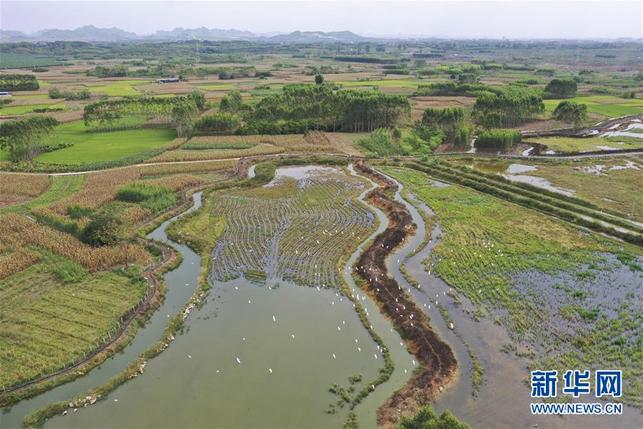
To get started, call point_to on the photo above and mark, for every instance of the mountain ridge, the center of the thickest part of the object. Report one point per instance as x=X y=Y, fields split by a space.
x=91 y=33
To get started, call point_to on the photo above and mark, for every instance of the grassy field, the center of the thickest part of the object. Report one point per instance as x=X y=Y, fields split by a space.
x=611 y=184
x=12 y=60
x=487 y=243
x=606 y=105
x=28 y=108
x=52 y=313
x=89 y=146
x=200 y=230
x=571 y=144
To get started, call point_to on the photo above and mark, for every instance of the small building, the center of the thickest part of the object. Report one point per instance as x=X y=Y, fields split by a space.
x=5 y=94
x=168 y=80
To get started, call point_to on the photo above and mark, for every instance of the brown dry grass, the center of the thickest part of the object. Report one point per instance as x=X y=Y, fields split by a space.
x=28 y=185
x=197 y=155
x=19 y=231
x=13 y=262
x=196 y=167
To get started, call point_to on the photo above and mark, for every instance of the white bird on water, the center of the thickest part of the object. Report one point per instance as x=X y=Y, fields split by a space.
x=238 y=360
x=270 y=369
x=334 y=357
x=293 y=336
x=274 y=319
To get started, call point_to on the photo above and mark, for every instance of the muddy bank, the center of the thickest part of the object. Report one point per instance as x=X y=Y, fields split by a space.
x=436 y=359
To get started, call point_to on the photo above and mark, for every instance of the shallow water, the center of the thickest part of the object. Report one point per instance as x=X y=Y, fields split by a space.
x=278 y=380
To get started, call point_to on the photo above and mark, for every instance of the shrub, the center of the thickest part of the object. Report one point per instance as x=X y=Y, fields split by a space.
x=18 y=82
x=498 y=139
x=154 y=198
x=69 y=271
x=561 y=88
x=222 y=122
x=571 y=112
x=103 y=229
x=381 y=143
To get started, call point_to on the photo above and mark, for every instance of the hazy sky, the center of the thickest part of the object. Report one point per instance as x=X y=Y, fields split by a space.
x=511 y=19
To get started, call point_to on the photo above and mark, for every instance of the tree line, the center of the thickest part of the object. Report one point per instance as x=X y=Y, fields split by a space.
x=18 y=82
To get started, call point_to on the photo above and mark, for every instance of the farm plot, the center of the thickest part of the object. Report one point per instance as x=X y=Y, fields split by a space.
x=292 y=229
x=91 y=146
x=119 y=88
x=52 y=314
x=495 y=253
x=206 y=154
x=611 y=184
x=605 y=105
x=588 y=144
x=15 y=188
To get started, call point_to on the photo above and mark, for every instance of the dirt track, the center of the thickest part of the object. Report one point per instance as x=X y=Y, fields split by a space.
x=436 y=360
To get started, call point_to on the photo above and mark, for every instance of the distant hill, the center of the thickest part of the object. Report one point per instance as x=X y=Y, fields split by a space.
x=318 y=37
x=90 y=33
x=201 y=33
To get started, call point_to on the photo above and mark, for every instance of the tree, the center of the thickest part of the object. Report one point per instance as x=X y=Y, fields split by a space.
x=183 y=116
x=22 y=138
x=231 y=102
x=222 y=122
x=199 y=99
x=561 y=88
x=426 y=418
x=498 y=139
x=507 y=108
x=449 y=120
x=571 y=112
x=319 y=79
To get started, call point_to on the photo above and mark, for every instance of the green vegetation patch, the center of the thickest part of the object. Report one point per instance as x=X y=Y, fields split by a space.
x=487 y=240
x=94 y=146
x=51 y=314
x=605 y=105
x=153 y=198
x=31 y=108
x=586 y=144
x=121 y=88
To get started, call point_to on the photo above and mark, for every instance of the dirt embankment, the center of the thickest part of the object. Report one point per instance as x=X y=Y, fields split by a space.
x=437 y=363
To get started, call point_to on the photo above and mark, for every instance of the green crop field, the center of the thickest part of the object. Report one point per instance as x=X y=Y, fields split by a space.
x=12 y=60
x=605 y=105
x=50 y=314
x=28 y=108
x=119 y=88
x=571 y=144
x=89 y=146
